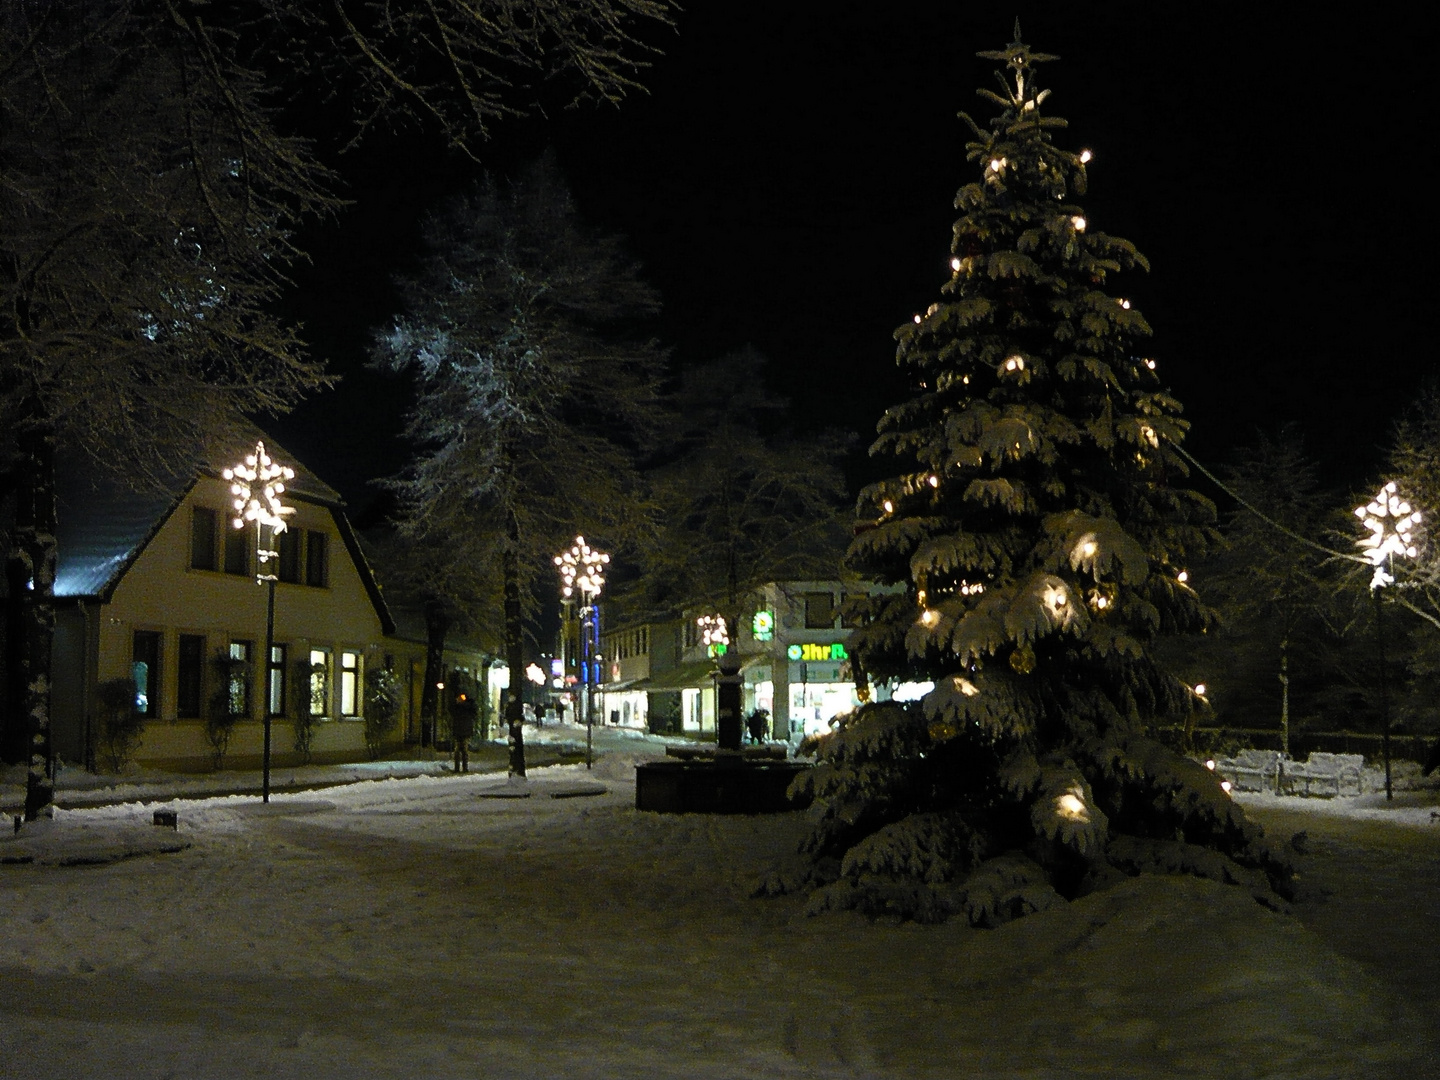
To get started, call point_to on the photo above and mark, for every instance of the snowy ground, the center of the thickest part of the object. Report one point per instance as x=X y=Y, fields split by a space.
x=412 y=927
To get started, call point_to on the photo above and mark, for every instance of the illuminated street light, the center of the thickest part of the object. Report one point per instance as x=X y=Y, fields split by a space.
x=1390 y=525
x=582 y=570
x=257 y=484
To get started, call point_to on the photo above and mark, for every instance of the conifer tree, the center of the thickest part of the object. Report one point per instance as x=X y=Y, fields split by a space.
x=1038 y=532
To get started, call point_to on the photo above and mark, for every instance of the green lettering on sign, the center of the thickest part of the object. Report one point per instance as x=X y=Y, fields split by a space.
x=833 y=651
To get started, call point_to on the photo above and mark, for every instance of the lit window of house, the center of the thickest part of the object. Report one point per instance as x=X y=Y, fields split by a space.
x=275 y=681
x=349 y=684
x=319 y=682
x=145 y=671
x=237 y=690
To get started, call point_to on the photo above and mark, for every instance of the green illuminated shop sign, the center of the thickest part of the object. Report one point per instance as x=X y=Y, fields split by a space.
x=833 y=651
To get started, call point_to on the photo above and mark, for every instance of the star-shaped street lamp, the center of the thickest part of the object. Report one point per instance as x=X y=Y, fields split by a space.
x=1390 y=526
x=1390 y=522
x=257 y=484
x=582 y=570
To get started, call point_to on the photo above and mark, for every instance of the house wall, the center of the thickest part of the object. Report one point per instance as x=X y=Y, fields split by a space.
x=161 y=592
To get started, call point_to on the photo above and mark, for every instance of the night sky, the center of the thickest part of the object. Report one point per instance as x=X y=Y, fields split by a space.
x=787 y=182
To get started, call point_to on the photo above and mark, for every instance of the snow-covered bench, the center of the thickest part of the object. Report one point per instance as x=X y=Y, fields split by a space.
x=1325 y=775
x=1251 y=770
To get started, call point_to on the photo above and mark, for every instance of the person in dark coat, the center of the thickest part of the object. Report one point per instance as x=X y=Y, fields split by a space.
x=463 y=715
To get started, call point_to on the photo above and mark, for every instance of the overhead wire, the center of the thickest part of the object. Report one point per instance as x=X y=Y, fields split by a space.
x=1349 y=556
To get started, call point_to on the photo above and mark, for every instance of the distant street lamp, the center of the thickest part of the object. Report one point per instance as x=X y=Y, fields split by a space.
x=582 y=569
x=257 y=484
x=1391 y=523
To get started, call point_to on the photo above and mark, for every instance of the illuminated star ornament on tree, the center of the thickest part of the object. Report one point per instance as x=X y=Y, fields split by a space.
x=1391 y=522
x=257 y=485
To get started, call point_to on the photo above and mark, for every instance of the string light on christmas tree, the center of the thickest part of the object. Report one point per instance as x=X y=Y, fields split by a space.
x=889 y=506
x=1099 y=601
x=966 y=589
x=996 y=164
x=1124 y=304
x=917 y=319
x=1085 y=157
x=1391 y=523
x=1071 y=805
x=1079 y=223
x=1150 y=364
x=1183 y=577
x=965 y=686
x=933 y=481
x=1015 y=363
x=929 y=618
x=1200 y=690
x=955 y=265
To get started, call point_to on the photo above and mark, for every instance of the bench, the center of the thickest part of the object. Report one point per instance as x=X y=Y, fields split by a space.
x=1323 y=775
x=1251 y=770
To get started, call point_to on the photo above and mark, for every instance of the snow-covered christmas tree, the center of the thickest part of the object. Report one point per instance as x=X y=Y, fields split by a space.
x=1041 y=530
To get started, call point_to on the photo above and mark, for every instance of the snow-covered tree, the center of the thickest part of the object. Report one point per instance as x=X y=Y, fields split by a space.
x=534 y=393
x=146 y=206
x=155 y=158
x=1039 y=523
x=738 y=500
x=1283 y=601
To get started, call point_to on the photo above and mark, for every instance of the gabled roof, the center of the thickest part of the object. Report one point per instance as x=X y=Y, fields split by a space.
x=102 y=526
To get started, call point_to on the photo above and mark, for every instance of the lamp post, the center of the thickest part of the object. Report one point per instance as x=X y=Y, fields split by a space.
x=582 y=569
x=1391 y=523
x=257 y=484
x=715 y=635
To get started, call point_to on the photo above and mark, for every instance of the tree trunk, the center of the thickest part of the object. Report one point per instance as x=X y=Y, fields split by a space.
x=437 y=626
x=12 y=722
x=30 y=569
x=514 y=651
x=1285 y=697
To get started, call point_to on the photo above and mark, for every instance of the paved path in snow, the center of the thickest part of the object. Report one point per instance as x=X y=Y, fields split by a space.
x=1381 y=894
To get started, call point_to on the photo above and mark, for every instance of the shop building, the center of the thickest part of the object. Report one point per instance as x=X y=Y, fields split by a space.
x=792 y=640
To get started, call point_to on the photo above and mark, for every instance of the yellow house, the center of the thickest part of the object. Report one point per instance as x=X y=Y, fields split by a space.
x=162 y=590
